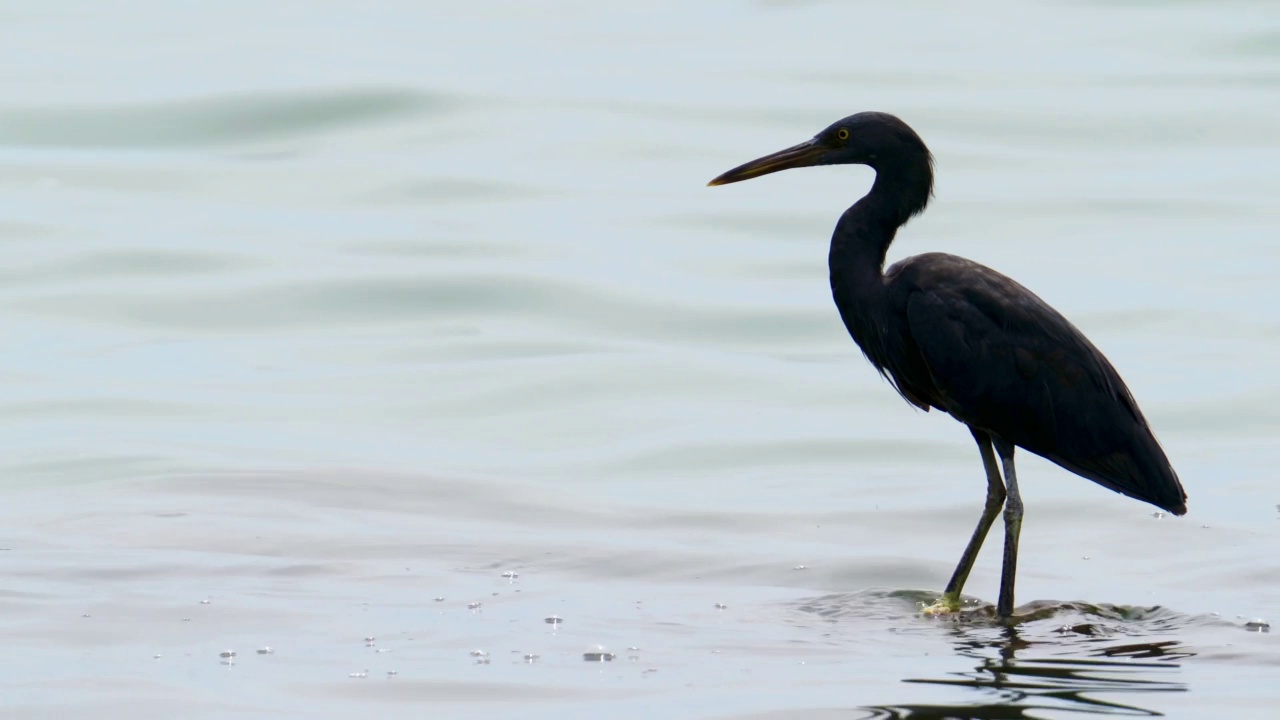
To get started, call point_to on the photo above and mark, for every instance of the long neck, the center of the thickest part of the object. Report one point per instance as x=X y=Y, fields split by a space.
x=860 y=242
x=866 y=230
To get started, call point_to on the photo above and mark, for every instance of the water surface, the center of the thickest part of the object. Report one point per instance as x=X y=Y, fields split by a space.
x=318 y=313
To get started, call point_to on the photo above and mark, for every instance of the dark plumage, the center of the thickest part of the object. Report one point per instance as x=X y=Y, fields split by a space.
x=954 y=335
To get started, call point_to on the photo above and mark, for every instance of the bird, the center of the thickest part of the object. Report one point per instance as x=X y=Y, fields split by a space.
x=952 y=335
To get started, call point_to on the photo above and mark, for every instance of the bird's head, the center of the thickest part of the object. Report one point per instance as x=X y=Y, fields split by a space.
x=879 y=140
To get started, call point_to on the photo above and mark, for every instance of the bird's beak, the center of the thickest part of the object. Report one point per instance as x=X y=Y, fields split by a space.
x=809 y=152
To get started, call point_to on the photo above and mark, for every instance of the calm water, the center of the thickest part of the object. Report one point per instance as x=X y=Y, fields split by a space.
x=330 y=316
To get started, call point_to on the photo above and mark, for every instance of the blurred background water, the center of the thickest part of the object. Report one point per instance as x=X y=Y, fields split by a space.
x=319 y=317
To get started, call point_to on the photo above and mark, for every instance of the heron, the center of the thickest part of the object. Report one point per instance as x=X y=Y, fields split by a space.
x=953 y=335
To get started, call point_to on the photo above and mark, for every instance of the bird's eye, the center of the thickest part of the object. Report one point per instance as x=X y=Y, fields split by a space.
x=842 y=134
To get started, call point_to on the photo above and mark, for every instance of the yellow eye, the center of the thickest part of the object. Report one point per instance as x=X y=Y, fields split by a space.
x=842 y=134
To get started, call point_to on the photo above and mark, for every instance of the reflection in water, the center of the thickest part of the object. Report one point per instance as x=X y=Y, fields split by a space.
x=1024 y=687
x=1100 y=661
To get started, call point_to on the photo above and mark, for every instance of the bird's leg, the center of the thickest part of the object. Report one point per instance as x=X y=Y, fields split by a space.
x=950 y=600
x=1012 y=526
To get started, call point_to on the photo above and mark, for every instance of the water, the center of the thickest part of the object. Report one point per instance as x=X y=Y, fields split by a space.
x=323 y=312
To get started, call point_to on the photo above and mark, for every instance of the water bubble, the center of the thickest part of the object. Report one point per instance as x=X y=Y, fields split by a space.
x=438 y=598
x=186 y=619
x=368 y=641
x=553 y=620
x=474 y=605
x=510 y=575
x=265 y=650
x=392 y=673
x=1080 y=629
x=800 y=567
x=362 y=674
x=1158 y=515
x=383 y=650
x=86 y=615
x=721 y=606
x=206 y=601
x=1258 y=625
x=227 y=654
x=479 y=653
x=598 y=654
x=157 y=656
x=531 y=658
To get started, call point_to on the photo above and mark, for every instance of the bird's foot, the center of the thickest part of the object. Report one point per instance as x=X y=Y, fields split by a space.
x=948 y=604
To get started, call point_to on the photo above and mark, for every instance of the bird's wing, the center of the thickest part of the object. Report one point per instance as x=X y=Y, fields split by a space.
x=991 y=344
x=1004 y=361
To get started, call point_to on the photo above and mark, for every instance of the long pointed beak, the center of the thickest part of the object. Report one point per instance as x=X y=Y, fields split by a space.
x=807 y=153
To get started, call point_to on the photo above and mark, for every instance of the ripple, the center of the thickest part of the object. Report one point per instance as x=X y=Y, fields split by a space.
x=391 y=299
x=776 y=226
x=217 y=120
x=1092 y=658
x=454 y=190
x=1101 y=618
x=687 y=457
x=118 y=264
x=120 y=407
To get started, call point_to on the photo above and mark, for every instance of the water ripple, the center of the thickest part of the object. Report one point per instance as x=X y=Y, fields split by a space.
x=218 y=120
x=385 y=299
x=1055 y=657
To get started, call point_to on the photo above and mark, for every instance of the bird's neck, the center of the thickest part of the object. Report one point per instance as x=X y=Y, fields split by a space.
x=866 y=230
x=859 y=244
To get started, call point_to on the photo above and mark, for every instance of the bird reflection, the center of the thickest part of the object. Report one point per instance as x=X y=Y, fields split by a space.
x=1028 y=686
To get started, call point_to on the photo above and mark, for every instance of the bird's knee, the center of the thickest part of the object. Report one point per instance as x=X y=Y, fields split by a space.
x=994 y=502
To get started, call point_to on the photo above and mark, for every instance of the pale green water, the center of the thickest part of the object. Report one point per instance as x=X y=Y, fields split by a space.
x=321 y=311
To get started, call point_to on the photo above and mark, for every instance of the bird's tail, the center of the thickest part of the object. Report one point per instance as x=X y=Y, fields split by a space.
x=1142 y=471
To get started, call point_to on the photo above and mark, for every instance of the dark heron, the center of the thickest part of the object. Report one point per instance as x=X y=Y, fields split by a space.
x=951 y=334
